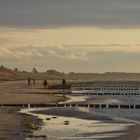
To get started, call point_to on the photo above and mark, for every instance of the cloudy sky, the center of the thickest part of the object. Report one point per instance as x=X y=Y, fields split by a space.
x=70 y=35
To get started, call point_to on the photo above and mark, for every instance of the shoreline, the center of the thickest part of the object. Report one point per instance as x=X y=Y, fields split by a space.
x=13 y=123
x=80 y=115
x=81 y=122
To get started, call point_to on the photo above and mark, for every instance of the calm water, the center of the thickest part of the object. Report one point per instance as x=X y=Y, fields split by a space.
x=77 y=129
x=55 y=129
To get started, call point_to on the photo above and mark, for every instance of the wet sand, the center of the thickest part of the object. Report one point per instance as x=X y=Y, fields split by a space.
x=132 y=134
x=72 y=112
x=18 y=92
x=86 y=116
x=22 y=87
x=29 y=99
x=12 y=123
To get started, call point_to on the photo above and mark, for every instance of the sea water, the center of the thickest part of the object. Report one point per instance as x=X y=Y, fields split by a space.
x=56 y=129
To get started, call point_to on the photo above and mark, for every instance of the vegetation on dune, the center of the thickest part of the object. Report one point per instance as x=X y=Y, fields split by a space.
x=16 y=74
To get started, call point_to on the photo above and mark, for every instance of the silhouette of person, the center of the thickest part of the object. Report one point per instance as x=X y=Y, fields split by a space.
x=29 y=81
x=63 y=82
x=33 y=81
x=45 y=83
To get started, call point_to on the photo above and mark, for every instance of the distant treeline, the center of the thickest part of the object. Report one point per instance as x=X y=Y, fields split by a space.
x=16 y=74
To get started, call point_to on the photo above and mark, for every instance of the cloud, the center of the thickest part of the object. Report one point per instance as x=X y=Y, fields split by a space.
x=62 y=13
x=126 y=48
x=83 y=58
x=22 y=52
x=5 y=51
x=67 y=53
x=80 y=52
x=34 y=51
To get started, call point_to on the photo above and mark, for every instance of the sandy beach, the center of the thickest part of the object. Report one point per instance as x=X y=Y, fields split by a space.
x=69 y=70
x=12 y=123
x=82 y=123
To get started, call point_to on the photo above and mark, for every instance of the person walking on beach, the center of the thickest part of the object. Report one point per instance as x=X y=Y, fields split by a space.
x=29 y=81
x=45 y=83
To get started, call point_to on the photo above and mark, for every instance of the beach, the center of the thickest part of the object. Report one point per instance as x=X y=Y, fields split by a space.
x=82 y=124
x=13 y=125
x=69 y=70
x=97 y=124
x=64 y=123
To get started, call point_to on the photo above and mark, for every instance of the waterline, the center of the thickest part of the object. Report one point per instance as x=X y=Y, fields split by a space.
x=55 y=128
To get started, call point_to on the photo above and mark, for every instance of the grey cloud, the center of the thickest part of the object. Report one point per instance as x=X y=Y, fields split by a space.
x=61 y=13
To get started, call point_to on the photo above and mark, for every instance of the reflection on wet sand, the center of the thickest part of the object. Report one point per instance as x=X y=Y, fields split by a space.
x=77 y=128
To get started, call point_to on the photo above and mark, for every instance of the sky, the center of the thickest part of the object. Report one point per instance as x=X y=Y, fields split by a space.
x=70 y=35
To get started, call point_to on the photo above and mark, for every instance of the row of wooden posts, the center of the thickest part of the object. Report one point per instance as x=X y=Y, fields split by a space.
x=127 y=94
x=96 y=106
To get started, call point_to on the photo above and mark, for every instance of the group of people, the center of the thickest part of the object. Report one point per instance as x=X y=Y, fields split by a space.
x=29 y=81
x=45 y=83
